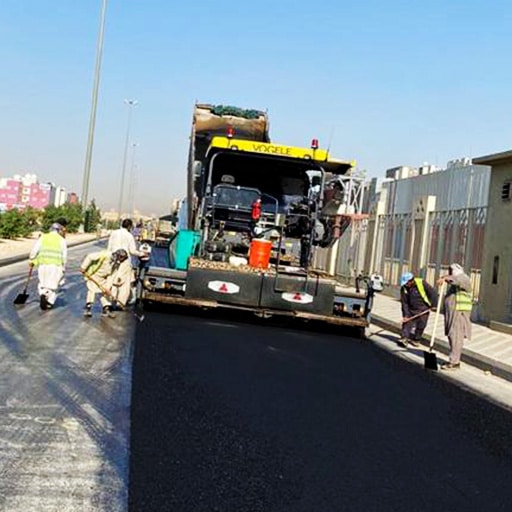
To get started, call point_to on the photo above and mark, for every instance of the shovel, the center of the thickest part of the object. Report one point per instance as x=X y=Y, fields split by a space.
x=429 y=355
x=408 y=320
x=22 y=297
x=109 y=296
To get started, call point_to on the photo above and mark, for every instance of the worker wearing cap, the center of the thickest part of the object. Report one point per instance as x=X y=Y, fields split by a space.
x=122 y=238
x=417 y=297
x=99 y=268
x=458 y=303
x=49 y=255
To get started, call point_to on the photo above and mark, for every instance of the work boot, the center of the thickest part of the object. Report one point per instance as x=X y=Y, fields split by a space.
x=107 y=312
x=403 y=342
x=450 y=366
x=88 y=310
x=43 y=302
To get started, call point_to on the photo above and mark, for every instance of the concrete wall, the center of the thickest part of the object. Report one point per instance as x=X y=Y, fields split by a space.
x=455 y=188
x=496 y=298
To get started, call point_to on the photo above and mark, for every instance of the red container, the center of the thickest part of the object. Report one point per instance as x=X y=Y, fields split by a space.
x=259 y=253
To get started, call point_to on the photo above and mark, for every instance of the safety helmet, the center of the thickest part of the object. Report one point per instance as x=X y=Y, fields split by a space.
x=406 y=278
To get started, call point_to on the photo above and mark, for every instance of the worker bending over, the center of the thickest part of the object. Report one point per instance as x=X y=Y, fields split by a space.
x=99 y=269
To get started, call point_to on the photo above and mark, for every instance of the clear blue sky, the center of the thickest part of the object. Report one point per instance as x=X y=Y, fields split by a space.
x=393 y=83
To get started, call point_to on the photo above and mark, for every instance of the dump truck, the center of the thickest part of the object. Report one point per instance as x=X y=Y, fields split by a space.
x=255 y=215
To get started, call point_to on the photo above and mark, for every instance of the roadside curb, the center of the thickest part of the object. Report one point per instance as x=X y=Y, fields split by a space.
x=22 y=257
x=469 y=356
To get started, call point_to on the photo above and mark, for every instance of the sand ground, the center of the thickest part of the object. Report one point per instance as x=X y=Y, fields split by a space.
x=22 y=246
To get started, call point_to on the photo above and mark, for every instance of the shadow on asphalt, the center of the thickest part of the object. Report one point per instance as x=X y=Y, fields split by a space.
x=246 y=317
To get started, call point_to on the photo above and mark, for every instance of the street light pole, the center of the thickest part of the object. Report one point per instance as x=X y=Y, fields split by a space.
x=131 y=104
x=94 y=104
x=131 y=182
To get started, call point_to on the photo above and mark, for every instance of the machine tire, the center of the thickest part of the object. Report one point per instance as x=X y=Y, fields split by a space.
x=217 y=247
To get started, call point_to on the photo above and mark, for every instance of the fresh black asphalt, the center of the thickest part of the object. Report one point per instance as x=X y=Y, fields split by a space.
x=230 y=415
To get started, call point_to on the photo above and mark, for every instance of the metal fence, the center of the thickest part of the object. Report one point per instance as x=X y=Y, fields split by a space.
x=393 y=244
x=346 y=258
x=449 y=236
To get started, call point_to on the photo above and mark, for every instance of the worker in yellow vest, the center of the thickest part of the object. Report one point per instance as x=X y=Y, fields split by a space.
x=99 y=270
x=49 y=255
x=458 y=303
x=417 y=298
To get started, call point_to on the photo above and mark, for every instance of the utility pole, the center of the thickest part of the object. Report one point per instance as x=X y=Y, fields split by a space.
x=130 y=104
x=94 y=104
x=131 y=182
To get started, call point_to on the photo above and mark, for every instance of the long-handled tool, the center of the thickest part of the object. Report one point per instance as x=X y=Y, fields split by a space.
x=22 y=297
x=429 y=355
x=109 y=296
x=408 y=320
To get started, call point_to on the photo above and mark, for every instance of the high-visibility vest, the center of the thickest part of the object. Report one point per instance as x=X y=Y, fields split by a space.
x=96 y=264
x=463 y=300
x=421 y=289
x=419 y=284
x=50 y=251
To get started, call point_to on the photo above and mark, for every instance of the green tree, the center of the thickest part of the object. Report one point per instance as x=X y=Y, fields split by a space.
x=71 y=212
x=49 y=216
x=31 y=218
x=12 y=224
x=92 y=218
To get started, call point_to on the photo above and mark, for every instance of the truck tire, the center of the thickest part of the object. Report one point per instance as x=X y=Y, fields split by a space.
x=359 y=333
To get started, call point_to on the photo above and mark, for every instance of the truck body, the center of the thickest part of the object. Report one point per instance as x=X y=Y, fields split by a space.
x=255 y=214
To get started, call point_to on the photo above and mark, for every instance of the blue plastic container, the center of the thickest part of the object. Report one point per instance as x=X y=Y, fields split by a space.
x=186 y=244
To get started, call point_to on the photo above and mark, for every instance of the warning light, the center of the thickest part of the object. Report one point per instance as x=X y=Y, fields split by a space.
x=231 y=132
x=256 y=210
x=314 y=144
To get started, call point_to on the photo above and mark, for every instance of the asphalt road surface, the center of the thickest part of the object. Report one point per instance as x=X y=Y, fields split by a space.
x=64 y=400
x=233 y=416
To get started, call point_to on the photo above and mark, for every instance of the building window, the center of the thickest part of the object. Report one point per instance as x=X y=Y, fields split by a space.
x=506 y=191
x=495 y=269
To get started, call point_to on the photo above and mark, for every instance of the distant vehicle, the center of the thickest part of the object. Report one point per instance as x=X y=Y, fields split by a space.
x=254 y=213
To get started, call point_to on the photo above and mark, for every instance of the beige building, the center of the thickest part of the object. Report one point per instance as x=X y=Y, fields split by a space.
x=496 y=284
